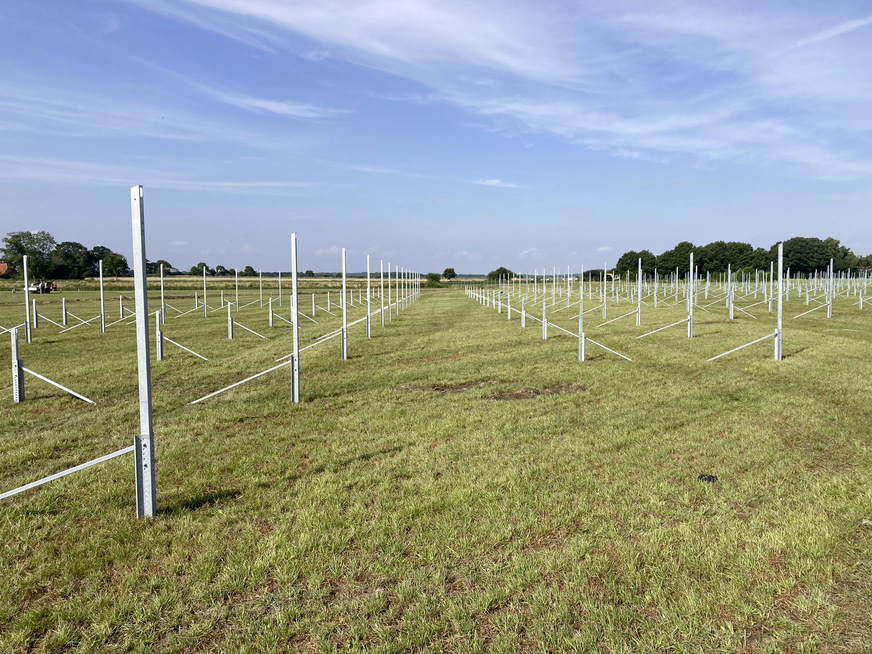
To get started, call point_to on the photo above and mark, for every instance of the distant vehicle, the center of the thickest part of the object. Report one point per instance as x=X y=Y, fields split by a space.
x=42 y=286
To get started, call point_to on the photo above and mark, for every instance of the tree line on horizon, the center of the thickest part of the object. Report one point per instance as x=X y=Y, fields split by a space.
x=803 y=255
x=48 y=259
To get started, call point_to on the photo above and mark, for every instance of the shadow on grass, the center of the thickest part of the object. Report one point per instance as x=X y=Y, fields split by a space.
x=787 y=355
x=333 y=466
x=198 y=501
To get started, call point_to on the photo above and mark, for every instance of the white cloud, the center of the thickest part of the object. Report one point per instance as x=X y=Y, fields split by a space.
x=833 y=32
x=287 y=108
x=603 y=249
x=62 y=171
x=639 y=80
x=376 y=170
x=466 y=255
x=333 y=250
x=494 y=182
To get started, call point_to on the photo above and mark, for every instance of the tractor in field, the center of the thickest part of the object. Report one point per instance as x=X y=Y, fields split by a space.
x=42 y=286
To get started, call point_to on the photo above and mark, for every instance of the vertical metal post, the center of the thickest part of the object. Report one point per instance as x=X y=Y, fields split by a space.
x=390 y=308
x=35 y=315
x=581 y=326
x=771 y=280
x=146 y=503
x=17 y=370
x=229 y=321
x=27 y=334
x=778 y=328
x=237 y=288
x=397 y=280
x=368 y=307
x=270 y=312
x=639 y=294
x=205 y=308
x=64 y=311
x=313 y=305
x=381 y=293
x=280 y=288
x=102 y=304
x=544 y=320
x=523 y=313
x=120 y=307
x=260 y=282
x=158 y=338
x=295 y=359
x=163 y=302
x=604 y=289
x=691 y=279
x=831 y=289
x=344 y=312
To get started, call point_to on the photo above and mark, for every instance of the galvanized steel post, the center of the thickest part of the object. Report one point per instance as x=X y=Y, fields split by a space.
x=146 y=502
x=690 y=277
x=778 y=329
x=368 y=307
x=344 y=312
x=295 y=358
x=102 y=304
x=163 y=303
x=27 y=334
x=17 y=370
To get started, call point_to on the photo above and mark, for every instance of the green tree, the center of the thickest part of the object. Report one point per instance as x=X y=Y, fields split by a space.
x=167 y=266
x=115 y=265
x=200 y=267
x=309 y=273
x=449 y=274
x=501 y=272
x=677 y=257
x=802 y=255
x=70 y=260
x=36 y=246
x=432 y=280
x=248 y=271
x=628 y=264
x=97 y=254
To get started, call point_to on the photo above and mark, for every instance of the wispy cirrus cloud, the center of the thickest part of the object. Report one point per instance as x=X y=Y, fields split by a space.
x=646 y=80
x=531 y=253
x=377 y=170
x=333 y=250
x=468 y=256
x=286 y=108
x=37 y=108
x=494 y=182
x=16 y=169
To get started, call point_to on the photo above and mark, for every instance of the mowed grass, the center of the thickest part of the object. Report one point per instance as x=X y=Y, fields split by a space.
x=458 y=484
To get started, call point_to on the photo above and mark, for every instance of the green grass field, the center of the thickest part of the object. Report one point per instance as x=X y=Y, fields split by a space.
x=457 y=485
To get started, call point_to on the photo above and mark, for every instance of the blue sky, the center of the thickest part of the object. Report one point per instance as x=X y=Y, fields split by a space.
x=462 y=133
